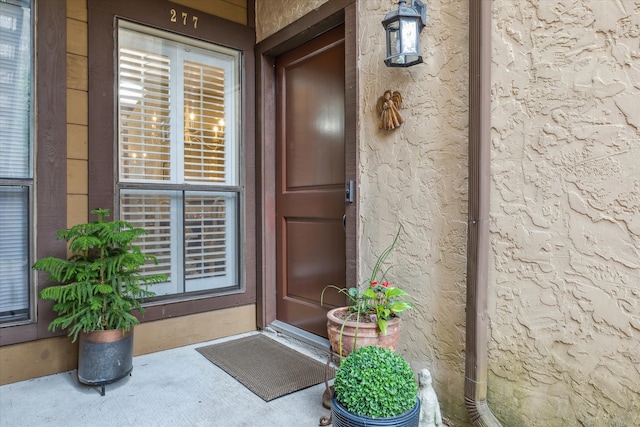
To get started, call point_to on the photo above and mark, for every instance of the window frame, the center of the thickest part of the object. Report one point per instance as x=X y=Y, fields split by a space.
x=103 y=145
x=179 y=51
x=49 y=201
x=25 y=182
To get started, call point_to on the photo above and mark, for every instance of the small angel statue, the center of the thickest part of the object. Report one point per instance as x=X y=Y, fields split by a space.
x=429 y=407
x=387 y=108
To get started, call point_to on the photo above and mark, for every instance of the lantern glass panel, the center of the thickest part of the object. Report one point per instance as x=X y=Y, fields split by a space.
x=409 y=37
x=393 y=41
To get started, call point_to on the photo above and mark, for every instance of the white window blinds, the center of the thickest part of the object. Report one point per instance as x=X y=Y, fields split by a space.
x=14 y=253
x=16 y=176
x=204 y=134
x=15 y=89
x=178 y=111
x=192 y=234
x=178 y=156
x=145 y=149
x=155 y=211
x=209 y=230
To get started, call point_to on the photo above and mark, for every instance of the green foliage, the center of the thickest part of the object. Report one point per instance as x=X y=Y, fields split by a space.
x=101 y=282
x=375 y=382
x=378 y=298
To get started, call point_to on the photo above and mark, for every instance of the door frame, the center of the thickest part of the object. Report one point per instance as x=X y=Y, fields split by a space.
x=329 y=15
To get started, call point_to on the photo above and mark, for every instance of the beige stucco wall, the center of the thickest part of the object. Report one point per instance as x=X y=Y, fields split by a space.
x=274 y=15
x=565 y=201
x=565 y=213
x=415 y=176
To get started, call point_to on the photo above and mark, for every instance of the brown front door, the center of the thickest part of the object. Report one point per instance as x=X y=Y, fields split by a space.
x=310 y=181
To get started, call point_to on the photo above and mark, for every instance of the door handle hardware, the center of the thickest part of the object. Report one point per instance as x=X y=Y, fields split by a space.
x=349 y=190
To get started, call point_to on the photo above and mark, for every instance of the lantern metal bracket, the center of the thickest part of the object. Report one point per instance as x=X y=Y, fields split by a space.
x=421 y=9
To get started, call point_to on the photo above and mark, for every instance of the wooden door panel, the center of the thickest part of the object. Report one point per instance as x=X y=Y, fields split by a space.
x=323 y=203
x=315 y=134
x=310 y=165
x=318 y=262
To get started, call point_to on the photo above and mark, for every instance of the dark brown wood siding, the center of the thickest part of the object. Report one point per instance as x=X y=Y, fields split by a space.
x=51 y=155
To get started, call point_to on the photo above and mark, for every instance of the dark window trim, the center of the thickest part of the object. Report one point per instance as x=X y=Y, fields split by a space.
x=51 y=156
x=102 y=15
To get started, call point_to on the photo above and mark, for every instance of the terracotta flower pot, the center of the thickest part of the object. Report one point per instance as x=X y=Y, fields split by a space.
x=359 y=333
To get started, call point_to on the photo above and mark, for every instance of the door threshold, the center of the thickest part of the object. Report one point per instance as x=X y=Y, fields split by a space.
x=301 y=335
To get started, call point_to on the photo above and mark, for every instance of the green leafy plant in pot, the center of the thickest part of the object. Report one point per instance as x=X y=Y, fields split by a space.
x=372 y=315
x=99 y=286
x=375 y=387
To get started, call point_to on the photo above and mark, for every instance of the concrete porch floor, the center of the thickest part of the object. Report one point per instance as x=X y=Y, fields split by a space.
x=176 y=388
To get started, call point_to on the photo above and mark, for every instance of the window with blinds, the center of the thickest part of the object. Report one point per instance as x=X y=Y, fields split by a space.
x=178 y=103
x=16 y=169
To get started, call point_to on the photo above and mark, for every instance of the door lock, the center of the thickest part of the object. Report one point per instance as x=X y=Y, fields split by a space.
x=349 y=191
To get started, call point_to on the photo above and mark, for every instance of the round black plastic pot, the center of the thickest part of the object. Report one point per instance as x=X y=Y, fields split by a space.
x=342 y=418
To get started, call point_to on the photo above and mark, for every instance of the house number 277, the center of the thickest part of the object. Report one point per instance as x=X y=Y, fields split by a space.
x=184 y=18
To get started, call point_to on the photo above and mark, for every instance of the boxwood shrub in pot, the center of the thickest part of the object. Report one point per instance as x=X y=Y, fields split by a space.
x=375 y=387
x=99 y=287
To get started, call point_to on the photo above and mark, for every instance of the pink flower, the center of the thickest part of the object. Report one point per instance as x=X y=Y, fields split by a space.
x=385 y=284
x=374 y=284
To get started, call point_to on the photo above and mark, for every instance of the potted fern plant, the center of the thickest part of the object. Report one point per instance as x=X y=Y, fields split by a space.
x=99 y=287
x=375 y=386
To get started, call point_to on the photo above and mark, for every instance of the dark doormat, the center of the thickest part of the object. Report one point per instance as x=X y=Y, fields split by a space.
x=266 y=367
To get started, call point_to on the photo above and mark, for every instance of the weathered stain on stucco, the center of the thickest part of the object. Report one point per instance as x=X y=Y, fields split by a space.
x=565 y=210
x=274 y=15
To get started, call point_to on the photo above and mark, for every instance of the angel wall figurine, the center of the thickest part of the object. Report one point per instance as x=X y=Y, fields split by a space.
x=387 y=108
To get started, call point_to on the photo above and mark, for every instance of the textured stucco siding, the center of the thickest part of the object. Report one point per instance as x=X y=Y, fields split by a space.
x=274 y=15
x=565 y=213
x=416 y=177
x=564 y=268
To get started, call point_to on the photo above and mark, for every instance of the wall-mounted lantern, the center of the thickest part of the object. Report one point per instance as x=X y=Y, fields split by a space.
x=403 y=27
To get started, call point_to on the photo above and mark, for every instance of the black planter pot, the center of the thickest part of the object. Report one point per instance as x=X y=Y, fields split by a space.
x=342 y=418
x=105 y=357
